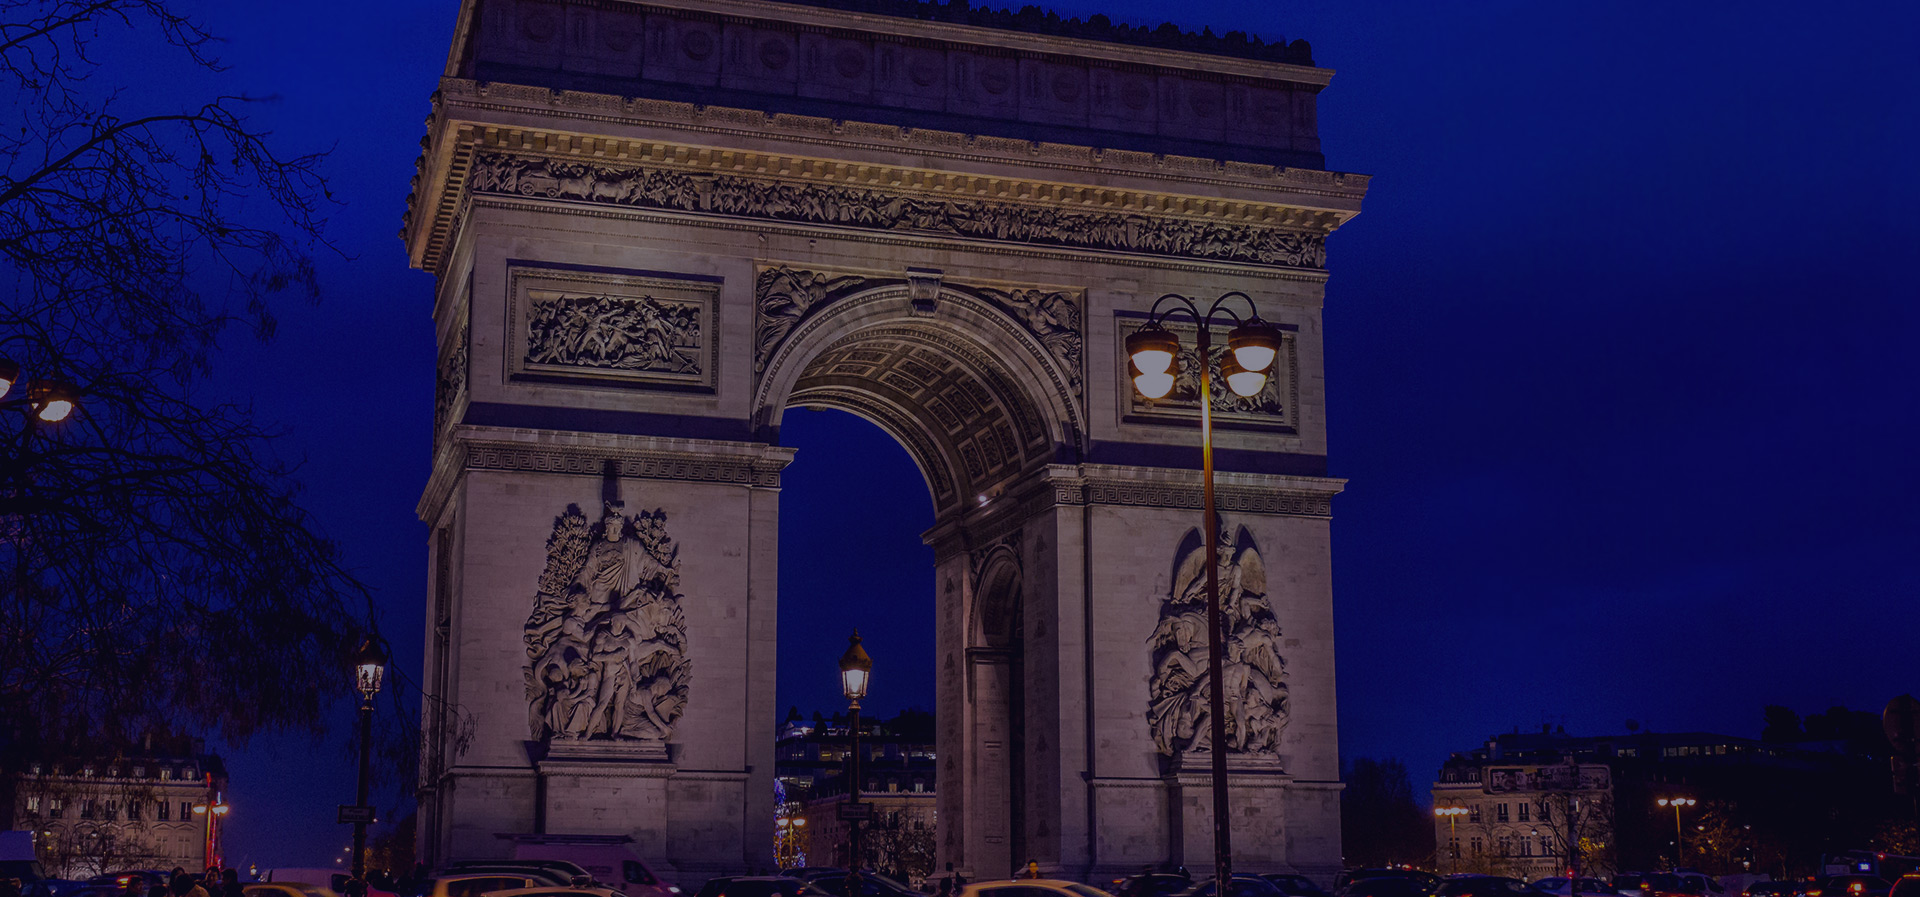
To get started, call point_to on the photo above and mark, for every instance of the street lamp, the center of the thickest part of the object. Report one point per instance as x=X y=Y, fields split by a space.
x=1676 y=803
x=856 y=672
x=1153 y=356
x=1452 y=815
x=49 y=400
x=213 y=811
x=369 y=667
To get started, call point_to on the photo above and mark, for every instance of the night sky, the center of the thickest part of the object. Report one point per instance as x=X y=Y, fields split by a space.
x=1619 y=357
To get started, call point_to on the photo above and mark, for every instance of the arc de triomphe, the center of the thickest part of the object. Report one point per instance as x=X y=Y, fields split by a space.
x=659 y=224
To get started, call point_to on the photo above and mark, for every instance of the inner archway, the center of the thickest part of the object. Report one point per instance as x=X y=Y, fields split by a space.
x=975 y=402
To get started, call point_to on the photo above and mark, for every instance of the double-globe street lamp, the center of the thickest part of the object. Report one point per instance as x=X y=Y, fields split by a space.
x=1154 y=359
x=49 y=400
x=214 y=810
x=1451 y=815
x=1679 y=854
x=856 y=670
x=369 y=667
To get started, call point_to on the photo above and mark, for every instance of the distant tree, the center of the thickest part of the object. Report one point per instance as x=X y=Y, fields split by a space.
x=1575 y=816
x=1380 y=821
x=156 y=569
x=1782 y=724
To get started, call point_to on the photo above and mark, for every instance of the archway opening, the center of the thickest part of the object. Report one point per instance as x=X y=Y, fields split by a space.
x=853 y=506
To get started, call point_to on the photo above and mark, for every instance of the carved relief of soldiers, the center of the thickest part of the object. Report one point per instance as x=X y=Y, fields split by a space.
x=637 y=334
x=607 y=656
x=1253 y=674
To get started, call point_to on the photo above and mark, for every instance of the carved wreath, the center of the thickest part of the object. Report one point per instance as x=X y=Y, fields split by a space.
x=1253 y=672
x=606 y=642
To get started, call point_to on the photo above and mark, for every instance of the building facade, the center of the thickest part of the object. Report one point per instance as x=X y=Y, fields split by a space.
x=142 y=809
x=657 y=225
x=1528 y=820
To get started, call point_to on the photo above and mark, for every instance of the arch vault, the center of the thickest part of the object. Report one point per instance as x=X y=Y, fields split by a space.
x=656 y=226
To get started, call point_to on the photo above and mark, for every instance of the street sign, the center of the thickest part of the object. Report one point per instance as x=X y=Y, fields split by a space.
x=351 y=813
x=856 y=812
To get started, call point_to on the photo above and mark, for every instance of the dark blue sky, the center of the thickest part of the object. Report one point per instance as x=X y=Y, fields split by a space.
x=1620 y=366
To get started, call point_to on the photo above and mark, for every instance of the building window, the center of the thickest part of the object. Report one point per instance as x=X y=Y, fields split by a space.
x=139 y=772
x=86 y=771
x=1523 y=811
x=1473 y=813
x=1474 y=845
x=33 y=805
x=111 y=811
x=1500 y=813
x=161 y=810
x=87 y=808
x=54 y=806
x=1506 y=846
x=133 y=811
x=186 y=810
x=1453 y=847
x=1546 y=812
x=34 y=769
x=166 y=773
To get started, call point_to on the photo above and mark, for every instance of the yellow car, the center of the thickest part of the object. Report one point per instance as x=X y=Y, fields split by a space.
x=1031 y=887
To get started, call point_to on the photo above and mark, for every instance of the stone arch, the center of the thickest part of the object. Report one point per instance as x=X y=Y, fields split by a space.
x=974 y=397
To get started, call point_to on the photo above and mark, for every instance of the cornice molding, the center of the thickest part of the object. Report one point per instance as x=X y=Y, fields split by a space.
x=469 y=448
x=1315 y=202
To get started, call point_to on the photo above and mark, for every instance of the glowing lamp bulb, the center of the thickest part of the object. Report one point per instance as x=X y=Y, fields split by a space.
x=1153 y=386
x=56 y=410
x=1152 y=349
x=1243 y=382
x=1254 y=344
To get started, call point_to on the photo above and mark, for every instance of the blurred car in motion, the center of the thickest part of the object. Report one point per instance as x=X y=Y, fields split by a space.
x=1851 y=886
x=1031 y=887
x=1153 y=884
x=1294 y=885
x=1562 y=886
x=1486 y=886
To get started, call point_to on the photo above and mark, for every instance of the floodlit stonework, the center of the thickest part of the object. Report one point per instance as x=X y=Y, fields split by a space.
x=656 y=226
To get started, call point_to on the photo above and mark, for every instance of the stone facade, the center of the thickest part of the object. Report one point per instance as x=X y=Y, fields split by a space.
x=648 y=249
x=140 y=809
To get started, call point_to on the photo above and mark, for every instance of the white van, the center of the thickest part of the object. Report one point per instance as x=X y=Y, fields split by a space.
x=610 y=859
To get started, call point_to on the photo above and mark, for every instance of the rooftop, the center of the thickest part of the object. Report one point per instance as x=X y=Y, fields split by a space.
x=1035 y=20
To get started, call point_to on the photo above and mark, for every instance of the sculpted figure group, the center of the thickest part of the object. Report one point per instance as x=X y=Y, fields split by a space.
x=1253 y=672
x=620 y=333
x=504 y=173
x=606 y=643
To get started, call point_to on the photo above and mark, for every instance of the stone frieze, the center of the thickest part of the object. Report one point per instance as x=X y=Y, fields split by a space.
x=879 y=209
x=643 y=333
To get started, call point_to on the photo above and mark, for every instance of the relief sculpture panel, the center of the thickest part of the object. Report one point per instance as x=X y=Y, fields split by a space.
x=650 y=331
x=606 y=642
x=1254 y=675
x=1272 y=408
x=878 y=209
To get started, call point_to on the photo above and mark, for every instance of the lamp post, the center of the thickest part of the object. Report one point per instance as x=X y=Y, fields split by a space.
x=856 y=670
x=48 y=400
x=1676 y=803
x=1451 y=815
x=213 y=810
x=1154 y=352
x=369 y=667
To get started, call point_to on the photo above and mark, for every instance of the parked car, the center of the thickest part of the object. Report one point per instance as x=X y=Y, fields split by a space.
x=283 y=889
x=1243 y=885
x=1031 y=887
x=1562 y=886
x=1387 y=886
x=1905 y=886
x=552 y=891
x=1775 y=889
x=1348 y=878
x=1486 y=886
x=762 y=886
x=558 y=873
x=474 y=884
x=1295 y=885
x=1154 y=884
x=1851 y=886
x=872 y=884
x=609 y=859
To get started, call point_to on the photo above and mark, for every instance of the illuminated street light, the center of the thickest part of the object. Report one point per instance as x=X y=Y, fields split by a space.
x=369 y=667
x=856 y=673
x=1452 y=815
x=51 y=401
x=1676 y=803
x=1153 y=355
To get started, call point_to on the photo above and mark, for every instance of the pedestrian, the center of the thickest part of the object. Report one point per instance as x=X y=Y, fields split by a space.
x=959 y=881
x=230 y=883
x=1032 y=870
x=183 y=885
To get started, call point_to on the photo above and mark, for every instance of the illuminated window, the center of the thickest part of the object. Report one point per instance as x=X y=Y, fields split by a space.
x=33 y=805
x=1473 y=813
